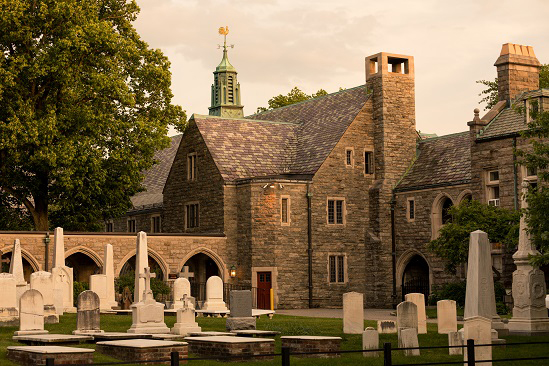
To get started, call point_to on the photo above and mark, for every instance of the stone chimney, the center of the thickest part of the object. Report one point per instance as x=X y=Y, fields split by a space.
x=518 y=71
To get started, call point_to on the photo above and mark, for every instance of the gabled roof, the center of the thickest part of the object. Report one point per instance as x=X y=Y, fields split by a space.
x=295 y=139
x=155 y=177
x=442 y=161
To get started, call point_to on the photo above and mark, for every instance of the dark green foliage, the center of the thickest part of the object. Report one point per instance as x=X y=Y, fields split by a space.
x=295 y=95
x=13 y=215
x=84 y=105
x=449 y=291
x=78 y=288
x=500 y=224
x=158 y=287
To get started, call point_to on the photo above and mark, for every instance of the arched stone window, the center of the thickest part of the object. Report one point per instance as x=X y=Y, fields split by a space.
x=440 y=213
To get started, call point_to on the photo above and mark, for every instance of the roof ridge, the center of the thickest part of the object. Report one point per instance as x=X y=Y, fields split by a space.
x=444 y=136
x=308 y=100
x=205 y=116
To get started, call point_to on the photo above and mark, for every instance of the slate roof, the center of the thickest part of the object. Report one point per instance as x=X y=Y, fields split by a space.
x=155 y=178
x=444 y=160
x=295 y=139
x=507 y=122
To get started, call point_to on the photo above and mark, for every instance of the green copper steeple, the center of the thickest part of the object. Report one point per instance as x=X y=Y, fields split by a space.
x=226 y=89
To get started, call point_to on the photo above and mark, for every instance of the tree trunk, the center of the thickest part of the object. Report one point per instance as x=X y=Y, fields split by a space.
x=40 y=215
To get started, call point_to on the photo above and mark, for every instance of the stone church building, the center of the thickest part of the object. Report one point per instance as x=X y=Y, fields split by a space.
x=334 y=194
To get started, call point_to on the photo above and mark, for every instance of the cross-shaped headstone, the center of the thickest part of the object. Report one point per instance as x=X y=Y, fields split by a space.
x=147 y=276
x=186 y=274
x=7 y=261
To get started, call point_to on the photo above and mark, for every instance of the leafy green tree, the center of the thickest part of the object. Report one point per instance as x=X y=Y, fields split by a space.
x=490 y=94
x=537 y=159
x=500 y=224
x=295 y=95
x=12 y=215
x=84 y=104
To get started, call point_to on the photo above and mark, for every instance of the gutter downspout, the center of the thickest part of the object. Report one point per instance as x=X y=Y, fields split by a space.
x=310 y=242
x=393 y=250
x=515 y=173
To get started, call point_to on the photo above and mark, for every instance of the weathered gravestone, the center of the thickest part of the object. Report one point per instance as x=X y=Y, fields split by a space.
x=8 y=301
x=370 y=340
x=446 y=316
x=408 y=339
x=419 y=300
x=353 y=313
x=62 y=275
x=406 y=316
x=214 y=295
x=88 y=316
x=386 y=326
x=31 y=313
x=186 y=322
x=98 y=284
x=103 y=284
x=148 y=315
x=181 y=287
x=141 y=262
x=241 y=311
x=16 y=269
x=43 y=282
x=455 y=339
x=479 y=329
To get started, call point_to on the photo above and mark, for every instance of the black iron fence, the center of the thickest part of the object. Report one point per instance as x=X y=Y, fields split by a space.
x=416 y=285
x=387 y=351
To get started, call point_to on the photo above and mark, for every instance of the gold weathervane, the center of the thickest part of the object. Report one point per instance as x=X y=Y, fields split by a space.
x=224 y=32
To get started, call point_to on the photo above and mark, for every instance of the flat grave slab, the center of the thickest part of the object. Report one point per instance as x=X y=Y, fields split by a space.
x=258 y=312
x=51 y=339
x=255 y=333
x=114 y=336
x=229 y=346
x=169 y=337
x=298 y=344
x=142 y=350
x=36 y=355
x=210 y=334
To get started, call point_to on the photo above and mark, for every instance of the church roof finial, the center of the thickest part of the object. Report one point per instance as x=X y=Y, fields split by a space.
x=225 y=65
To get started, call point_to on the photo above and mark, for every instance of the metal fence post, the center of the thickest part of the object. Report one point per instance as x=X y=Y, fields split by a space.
x=471 y=352
x=50 y=361
x=285 y=356
x=174 y=359
x=387 y=359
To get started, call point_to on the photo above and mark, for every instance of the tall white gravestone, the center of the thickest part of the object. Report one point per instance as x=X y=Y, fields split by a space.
x=42 y=281
x=529 y=311
x=446 y=316
x=148 y=315
x=480 y=298
x=353 y=313
x=31 y=317
x=62 y=275
x=419 y=300
x=103 y=284
x=98 y=284
x=181 y=287
x=141 y=262
x=214 y=295
x=16 y=269
x=9 y=316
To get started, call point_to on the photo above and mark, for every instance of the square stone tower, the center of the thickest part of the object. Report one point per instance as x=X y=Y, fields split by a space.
x=390 y=79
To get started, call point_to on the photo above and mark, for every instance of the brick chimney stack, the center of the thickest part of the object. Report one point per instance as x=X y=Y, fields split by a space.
x=518 y=71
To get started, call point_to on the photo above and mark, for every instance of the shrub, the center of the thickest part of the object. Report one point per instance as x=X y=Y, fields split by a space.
x=78 y=288
x=158 y=286
x=449 y=291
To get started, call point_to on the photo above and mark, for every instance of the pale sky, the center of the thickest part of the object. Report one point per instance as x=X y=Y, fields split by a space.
x=317 y=44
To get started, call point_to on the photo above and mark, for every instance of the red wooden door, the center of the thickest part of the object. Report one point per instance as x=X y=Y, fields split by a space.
x=264 y=285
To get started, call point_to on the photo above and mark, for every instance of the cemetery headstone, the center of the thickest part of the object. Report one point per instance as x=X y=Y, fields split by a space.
x=240 y=317
x=408 y=339
x=9 y=316
x=42 y=281
x=370 y=340
x=88 y=316
x=353 y=313
x=406 y=315
x=31 y=313
x=386 y=326
x=16 y=269
x=479 y=329
x=455 y=339
x=214 y=295
x=108 y=271
x=419 y=300
x=98 y=284
x=446 y=316
x=127 y=298
x=186 y=322
x=529 y=311
x=480 y=298
x=62 y=275
x=141 y=262
x=181 y=287
x=148 y=315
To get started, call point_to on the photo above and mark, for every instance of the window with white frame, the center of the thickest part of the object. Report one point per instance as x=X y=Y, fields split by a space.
x=285 y=210
x=192 y=215
x=156 y=224
x=492 y=187
x=191 y=166
x=336 y=211
x=336 y=268
x=410 y=209
x=368 y=162
x=530 y=175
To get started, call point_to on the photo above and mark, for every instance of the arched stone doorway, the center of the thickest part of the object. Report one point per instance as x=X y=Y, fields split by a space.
x=83 y=266
x=129 y=267
x=415 y=277
x=27 y=267
x=203 y=267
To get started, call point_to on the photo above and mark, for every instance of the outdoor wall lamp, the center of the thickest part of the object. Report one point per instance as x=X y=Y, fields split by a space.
x=232 y=272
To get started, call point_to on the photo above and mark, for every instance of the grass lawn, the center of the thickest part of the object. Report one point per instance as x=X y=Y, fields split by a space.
x=290 y=325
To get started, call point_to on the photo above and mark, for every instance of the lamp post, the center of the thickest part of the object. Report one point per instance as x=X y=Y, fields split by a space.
x=47 y=256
